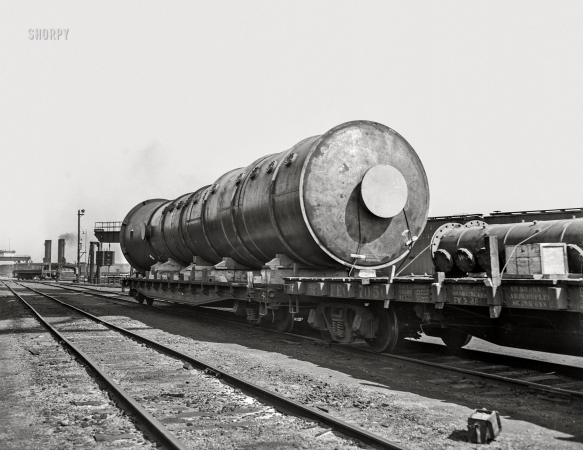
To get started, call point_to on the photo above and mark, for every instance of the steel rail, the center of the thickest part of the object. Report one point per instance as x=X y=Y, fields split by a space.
x=442 y=368
x=75 y=287
x=481 y=376
x=264 y=395
x=152 y=425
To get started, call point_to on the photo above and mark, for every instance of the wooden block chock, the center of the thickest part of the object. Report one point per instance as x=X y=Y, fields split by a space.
x=483 y=426
x=438 y=294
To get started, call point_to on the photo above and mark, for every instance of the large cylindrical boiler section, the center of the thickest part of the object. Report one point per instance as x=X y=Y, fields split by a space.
x=356 y=196
x=461 y=248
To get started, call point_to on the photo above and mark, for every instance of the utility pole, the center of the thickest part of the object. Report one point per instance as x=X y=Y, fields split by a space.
x=80 y=212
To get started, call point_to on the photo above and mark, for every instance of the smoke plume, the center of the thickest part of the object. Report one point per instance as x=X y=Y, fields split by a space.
x=70 y=238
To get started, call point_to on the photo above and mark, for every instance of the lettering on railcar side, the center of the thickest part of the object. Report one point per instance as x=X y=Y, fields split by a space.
x=338 y=290
x=528 y=304
x=527 y=297
x=469 y=295
x=466 y=301
x=369 y=291
x=537 y=295
x=422 y=295
x=404 y=294
x=473 y=292
x=375 y=292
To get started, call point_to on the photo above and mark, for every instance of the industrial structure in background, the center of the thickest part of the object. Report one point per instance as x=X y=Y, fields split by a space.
x=10 y=255
x=106 y=233
x=48 y=269
x=26 y=269
x=80 y=212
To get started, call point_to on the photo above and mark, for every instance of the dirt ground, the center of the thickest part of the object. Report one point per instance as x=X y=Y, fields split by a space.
x=414 y=407
x=56 y=403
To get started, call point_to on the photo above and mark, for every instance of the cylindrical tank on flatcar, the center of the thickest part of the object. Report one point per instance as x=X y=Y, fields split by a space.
x=355 y=196
x=455 y=246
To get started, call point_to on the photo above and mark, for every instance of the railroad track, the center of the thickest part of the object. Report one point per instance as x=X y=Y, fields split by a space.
x=520 y=373
x=115 y=353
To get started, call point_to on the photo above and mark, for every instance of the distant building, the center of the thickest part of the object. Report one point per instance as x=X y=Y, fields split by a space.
x=116 y=268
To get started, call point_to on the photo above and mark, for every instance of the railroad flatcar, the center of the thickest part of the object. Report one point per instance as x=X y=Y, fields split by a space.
x=326 y=231
x=339 y=208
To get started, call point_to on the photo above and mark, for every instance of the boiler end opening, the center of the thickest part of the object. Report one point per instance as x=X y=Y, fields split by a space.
x=384 y=191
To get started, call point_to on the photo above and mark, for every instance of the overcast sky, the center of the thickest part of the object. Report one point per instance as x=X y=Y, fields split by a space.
x=155 y=99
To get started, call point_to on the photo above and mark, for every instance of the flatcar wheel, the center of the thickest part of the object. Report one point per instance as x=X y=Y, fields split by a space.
x=455 y=339
x=286 y=323
x=388 y=335
x=327 y=336
x=138 y=296
x=149 y=301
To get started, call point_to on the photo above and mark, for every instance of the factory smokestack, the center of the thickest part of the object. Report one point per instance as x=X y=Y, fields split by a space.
x=61 y=252
x=48 y=250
